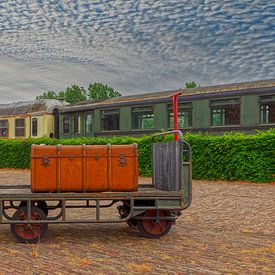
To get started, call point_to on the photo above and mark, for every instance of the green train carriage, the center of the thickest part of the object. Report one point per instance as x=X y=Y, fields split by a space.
x=242 y=107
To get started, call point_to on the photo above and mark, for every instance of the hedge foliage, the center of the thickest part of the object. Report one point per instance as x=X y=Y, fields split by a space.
x=228 y=157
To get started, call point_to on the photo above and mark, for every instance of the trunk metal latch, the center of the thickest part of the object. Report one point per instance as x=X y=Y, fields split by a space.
x=45 y=162
x=122 y=160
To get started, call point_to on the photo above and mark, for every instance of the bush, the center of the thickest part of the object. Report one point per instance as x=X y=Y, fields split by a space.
x=228 y=157
x=234 y=156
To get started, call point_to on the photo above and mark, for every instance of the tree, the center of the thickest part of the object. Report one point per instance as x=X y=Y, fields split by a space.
x=192 y=84
x=99 y=90
x=48 y=95
x=75 y=93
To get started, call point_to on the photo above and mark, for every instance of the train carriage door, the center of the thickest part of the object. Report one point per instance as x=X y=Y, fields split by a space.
x=89 y=124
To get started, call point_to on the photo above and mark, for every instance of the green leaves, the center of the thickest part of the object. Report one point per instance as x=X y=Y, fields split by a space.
x=72 y=94
x=99 y=91
x=227 y=157
x=191 y=85
x=76 y=94
x=234 y=156
x=48 y=95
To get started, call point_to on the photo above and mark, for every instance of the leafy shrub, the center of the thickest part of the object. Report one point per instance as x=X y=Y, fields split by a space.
x=228 y=157
x=234 y=156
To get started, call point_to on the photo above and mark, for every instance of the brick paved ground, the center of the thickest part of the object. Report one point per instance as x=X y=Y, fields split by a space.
x=228 y=229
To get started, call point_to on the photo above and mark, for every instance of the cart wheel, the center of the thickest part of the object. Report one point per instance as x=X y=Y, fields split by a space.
x=152 y=228
x=39 y=204
x=29 y=233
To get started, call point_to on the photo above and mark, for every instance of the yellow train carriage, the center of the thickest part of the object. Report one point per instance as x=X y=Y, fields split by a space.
x=29 y=119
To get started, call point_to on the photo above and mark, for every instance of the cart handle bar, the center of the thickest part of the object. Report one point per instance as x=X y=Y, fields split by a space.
x=169 y=133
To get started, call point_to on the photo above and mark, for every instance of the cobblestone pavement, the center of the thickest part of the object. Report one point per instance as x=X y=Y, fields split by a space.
x=229 y=228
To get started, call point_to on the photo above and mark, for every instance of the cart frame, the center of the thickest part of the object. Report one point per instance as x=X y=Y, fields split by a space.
x=155 y=199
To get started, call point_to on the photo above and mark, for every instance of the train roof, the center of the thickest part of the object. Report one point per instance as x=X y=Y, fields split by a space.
x=253 y=87
x=30 y=107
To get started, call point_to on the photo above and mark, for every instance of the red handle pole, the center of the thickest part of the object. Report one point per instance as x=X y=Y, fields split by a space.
x=176 y=113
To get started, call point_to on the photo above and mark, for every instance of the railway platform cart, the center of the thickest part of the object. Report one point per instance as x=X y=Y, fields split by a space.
x=152 y=208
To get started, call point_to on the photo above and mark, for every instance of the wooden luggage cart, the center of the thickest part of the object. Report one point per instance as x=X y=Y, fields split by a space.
x=152 y=209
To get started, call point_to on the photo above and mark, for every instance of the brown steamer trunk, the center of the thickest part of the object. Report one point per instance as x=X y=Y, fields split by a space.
x=86 y=168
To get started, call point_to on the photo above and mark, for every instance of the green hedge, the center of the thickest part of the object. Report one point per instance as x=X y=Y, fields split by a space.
x=234 y=156
x=228 y=157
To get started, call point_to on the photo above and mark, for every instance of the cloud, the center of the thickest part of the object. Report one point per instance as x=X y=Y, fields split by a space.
x=134 y=46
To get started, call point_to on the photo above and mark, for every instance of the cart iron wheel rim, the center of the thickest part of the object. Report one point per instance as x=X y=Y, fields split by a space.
x=153 y=228
x=29 y=233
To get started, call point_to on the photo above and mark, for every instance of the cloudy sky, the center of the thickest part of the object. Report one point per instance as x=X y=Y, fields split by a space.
x=134 y=46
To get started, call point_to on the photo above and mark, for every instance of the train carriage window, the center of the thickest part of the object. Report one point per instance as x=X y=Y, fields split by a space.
x=4 y=128
x=184 y=115
x=267 y=104
x=20 y=127
x=110 y=120
x=76 y=123
x=225 y=112
x=66 y=124
x=34 y=127
x=89 y=123
x=142 y=118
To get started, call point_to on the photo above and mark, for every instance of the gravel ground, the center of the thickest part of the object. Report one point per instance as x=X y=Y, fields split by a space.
x=229 y=228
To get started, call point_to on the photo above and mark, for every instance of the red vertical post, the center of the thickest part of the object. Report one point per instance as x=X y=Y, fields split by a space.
x=176 y=114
